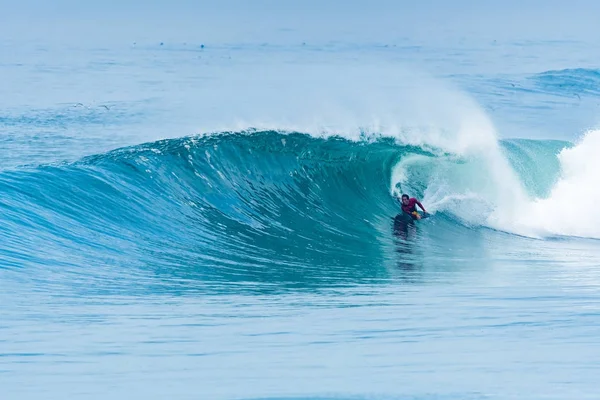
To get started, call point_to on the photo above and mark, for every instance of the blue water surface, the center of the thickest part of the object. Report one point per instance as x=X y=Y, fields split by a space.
x=196 y=200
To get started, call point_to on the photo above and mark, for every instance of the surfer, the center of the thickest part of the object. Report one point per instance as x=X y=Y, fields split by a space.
x=408 y=206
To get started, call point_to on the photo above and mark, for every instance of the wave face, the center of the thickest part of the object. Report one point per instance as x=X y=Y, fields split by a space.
x=249 y=206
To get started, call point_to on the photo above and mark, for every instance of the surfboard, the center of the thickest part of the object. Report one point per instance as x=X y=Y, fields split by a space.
x=407 y=218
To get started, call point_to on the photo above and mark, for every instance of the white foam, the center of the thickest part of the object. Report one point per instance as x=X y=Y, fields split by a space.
x=572 y=206
x=348 y=101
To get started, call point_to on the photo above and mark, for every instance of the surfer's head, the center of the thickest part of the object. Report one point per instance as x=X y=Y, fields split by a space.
x=405 y=199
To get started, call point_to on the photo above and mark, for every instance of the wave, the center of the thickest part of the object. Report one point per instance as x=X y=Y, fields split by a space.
x=569 y=82
x=247 y=205
x=235 y=203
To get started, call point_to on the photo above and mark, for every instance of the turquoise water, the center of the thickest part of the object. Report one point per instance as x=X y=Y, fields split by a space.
x=196 y=201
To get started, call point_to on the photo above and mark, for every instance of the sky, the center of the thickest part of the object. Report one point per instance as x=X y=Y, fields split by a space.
x=431 y=21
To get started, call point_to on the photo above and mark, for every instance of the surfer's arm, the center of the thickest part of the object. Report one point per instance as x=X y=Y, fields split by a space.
x=421 y=205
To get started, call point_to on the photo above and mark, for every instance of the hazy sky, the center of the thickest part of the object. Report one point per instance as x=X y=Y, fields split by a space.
x=434 y=21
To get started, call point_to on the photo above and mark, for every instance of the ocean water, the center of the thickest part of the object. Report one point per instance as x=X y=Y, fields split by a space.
x=197 y=200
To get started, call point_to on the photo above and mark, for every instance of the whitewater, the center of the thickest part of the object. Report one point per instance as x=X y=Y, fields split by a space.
x=200 y=202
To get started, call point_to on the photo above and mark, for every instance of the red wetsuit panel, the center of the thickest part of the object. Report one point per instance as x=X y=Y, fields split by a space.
x=411 y=205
